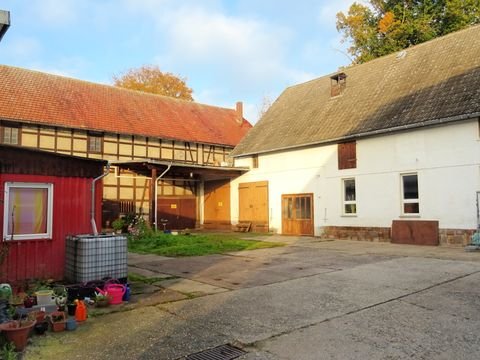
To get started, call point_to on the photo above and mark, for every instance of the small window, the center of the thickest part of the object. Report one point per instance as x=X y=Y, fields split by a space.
x=95 y=143
x=410 y=202
x=10 y=135
x=28 y=211
x=349 y=197
x=255 y=161
x=347 y=155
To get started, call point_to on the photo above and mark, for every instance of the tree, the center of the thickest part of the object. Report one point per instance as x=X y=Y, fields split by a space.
x=386 y=26
x=264 y=105
x=149 y=78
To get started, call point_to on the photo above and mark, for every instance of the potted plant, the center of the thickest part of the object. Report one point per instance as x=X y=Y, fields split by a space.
x=102 y=300
x=17 y=331
x=118 y=225
x=57 y=319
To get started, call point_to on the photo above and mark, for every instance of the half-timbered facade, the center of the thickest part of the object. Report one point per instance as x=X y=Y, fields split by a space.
x=90 y=120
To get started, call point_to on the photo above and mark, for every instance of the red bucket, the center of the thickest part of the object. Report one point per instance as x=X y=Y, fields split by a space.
x=116 y=292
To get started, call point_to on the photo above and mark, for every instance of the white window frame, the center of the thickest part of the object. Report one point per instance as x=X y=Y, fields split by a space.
x=348 y=202
x=48 y=234
x=8 y=139
x=409 y=201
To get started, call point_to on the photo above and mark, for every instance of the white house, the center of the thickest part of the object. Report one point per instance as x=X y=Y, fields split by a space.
x=386 y=150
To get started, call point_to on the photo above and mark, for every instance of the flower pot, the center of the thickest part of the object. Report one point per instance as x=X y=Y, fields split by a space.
x=57 y=319
x=103 y=302
x=17 y=332
x=40 y=316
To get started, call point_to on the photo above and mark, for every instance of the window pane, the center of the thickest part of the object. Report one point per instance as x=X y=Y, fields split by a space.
x=307 y=208
x=410 y=187
x=350 y=208
x=349 y=190
x=298 y=208
x=27 y=211
x=95 y=143
x=411 y=208
x=290 y=209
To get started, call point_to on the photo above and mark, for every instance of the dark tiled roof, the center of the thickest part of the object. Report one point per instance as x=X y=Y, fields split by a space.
x=36 y=97
x=435 y=81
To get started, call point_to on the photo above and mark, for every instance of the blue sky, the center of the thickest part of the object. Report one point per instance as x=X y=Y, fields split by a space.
x=238 y=50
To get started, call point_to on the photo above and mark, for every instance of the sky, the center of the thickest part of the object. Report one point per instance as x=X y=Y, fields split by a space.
x=228 y=50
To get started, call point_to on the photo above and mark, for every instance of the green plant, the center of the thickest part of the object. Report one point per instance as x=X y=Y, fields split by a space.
x=118 y=224
x=8 y=352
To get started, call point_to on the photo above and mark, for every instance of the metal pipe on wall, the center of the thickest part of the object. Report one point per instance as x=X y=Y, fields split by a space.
x=92 y=211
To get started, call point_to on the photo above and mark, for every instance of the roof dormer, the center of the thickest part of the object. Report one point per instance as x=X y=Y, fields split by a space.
x=338 y=83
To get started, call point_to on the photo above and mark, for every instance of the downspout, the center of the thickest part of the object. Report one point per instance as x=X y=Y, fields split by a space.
x=92 y=211
x=156 y=194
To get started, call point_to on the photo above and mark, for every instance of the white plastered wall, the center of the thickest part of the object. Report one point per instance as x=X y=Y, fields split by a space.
x=446 y=159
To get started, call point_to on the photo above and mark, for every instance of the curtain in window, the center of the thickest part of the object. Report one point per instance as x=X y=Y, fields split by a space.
x=27 y=211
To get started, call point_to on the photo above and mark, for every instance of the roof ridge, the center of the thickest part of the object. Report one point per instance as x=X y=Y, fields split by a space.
x=115 y=88
x=428 y=42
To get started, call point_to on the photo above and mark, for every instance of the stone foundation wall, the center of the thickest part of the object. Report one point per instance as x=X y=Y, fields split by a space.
x=455 y=237
x=447 y=237
x=377 y=234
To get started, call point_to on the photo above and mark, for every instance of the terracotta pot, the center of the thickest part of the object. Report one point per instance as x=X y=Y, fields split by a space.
x=57 y=319
x=17 y=332
x=40 y=316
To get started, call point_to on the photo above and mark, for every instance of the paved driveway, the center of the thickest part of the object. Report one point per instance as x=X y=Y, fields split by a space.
x=308 y=300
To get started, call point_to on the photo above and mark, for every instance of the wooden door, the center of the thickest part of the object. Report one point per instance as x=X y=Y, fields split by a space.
x=217 y=205
x=297 y=214
x=180 y=212
x=253 y=205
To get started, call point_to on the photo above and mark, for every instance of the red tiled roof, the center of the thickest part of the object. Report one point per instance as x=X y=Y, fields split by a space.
x=36 y=97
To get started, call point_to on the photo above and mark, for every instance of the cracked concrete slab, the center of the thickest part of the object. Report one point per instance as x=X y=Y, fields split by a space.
x=389 y=331
x=377 y=301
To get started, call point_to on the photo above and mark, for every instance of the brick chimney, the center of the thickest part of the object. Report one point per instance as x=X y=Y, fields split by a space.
x=239 y=109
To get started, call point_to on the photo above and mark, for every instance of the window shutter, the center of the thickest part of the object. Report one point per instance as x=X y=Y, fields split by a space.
x=347 y=155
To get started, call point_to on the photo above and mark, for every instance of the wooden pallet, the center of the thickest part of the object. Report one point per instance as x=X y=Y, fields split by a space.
x=243 y=227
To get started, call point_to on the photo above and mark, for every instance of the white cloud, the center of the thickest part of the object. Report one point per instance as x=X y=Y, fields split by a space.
x=327 y=15
x=56 y=13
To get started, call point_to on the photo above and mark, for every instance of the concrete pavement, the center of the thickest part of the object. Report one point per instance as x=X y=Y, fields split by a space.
x=308 y=300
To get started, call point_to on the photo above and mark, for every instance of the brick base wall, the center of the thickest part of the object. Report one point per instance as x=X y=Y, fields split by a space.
x=447 y=237
x=458 y=237
x=377 y=234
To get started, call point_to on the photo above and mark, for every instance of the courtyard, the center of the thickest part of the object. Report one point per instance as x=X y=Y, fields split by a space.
x=310 y=299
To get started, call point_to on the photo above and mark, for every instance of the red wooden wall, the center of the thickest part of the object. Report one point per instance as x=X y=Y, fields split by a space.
x=30 y=259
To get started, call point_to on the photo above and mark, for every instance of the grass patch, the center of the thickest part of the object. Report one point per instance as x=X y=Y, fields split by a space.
x=194 y=245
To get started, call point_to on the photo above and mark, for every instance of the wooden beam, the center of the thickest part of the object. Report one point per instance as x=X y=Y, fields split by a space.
x=153 y=183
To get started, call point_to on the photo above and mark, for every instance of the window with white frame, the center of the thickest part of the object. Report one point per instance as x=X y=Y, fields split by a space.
x=28 y=210
x=410 y=202
x=10 y=135
x=349 y=197
x=95 y=143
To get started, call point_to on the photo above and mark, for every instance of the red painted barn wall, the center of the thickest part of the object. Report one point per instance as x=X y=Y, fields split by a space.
x=29 y=259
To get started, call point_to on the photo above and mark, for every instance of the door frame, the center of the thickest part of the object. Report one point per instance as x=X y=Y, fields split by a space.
x=312 y=215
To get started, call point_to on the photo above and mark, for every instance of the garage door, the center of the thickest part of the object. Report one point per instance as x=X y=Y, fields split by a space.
x=217 y=205
x=297 y=214
x=253 y=204
x=177 y=213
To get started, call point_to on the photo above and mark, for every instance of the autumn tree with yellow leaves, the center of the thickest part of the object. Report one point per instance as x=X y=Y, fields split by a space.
x=385 y=26
x=150 y=79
